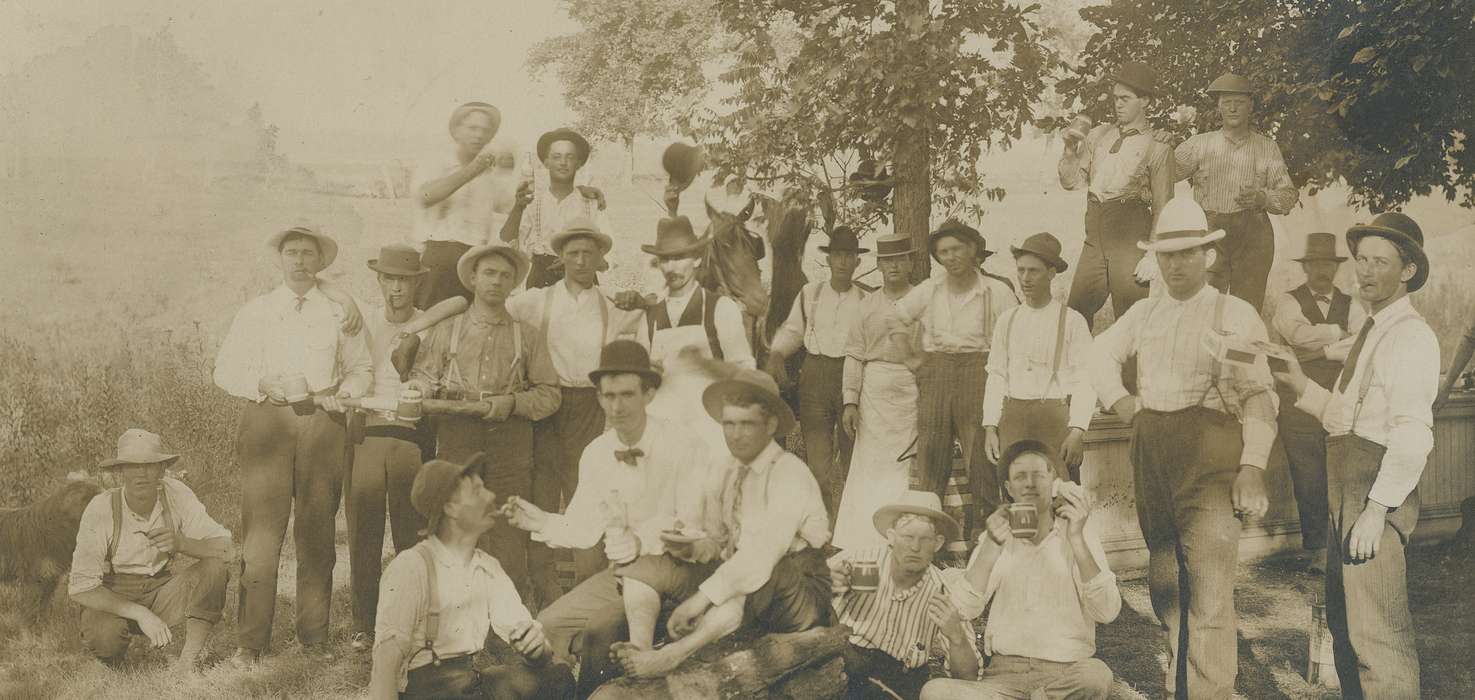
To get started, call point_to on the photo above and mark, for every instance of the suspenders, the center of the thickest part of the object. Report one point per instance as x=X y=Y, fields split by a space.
x=432 y=603
x=452 y=371
x=1367 y=377
x=1059 y=342
x=118 y=522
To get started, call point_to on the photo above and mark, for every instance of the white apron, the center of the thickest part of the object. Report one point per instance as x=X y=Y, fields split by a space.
x=679 y=399
x=886 y=430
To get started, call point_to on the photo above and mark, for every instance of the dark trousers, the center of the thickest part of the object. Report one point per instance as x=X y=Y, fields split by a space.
x=461 y=679
x=1367 y=603
x=826 y=446
x=1304 y=441
x=509 y=448
x=1184 y=464
x=1045 y=420
x=863 y=664
x=383 y=471
x=950 y=405
x=544 y=271
x=196 y=592
x=288 y=461
x=1245 y=255
x=1108 y=261
x=558 y=444
x=441 y=282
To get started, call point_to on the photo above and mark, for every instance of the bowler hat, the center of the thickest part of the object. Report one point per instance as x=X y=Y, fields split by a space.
x=843 y=240
x=766 y=390
x=435 y=484
x=563 y=134
x=1231 y=82
x=625 y=357
x=956 y=229
x=466 y=266
x=1405 y=233
x=465 y=109
x=894 y=245
x=139 y=446
x=924 y=503
x=1181 y=225
x=327 y=247
x=581 y=227
x=1138 y=76
x=1043 y=246
x=676 y=239
x=683 y=162
x=398 y=259
x=1321 y=246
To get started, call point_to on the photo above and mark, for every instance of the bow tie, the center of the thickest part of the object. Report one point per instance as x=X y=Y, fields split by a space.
x=628 y=456
x=1322 y=298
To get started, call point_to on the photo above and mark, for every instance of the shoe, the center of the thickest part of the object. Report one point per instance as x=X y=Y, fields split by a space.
x=244 y=659
x=322 y=651
x=361 y=641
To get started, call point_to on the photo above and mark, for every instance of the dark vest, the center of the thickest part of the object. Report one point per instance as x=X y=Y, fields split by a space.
x=1323 y=371
x=701 y=310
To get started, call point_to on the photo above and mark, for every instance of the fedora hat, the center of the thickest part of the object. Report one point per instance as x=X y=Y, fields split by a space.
x=492 y=112
x=1138 y=76
x=675 y=239
x=1182 y=225
x=436 y=482
x=139 y=446
x=581 y=227
x=923 y=503
x=1043 y=246
x=1231 y=82
x=625 y=357
x=1405 y=233
x=894 y=245
x=683 y=162
x=398 y=259
x=1321 y=246
x=961 y=231
x=843 y=240
x=466 y=266
x=563 y=134
x=326 y=245
x=750 y=379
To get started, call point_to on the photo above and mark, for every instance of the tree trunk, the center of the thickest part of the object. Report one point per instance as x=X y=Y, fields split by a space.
x=912 y=166
x=803 y=664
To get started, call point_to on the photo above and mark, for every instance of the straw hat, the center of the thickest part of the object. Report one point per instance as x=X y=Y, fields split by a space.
x=326 y=245
x=923 y=503
x=712 y=398
x=466 y=266
x=1182 y=225
x=139 y=446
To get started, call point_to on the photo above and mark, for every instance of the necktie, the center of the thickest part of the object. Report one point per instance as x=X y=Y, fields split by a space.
x=734 y=511
x=1351 y=364
x=1117 y=146
x=1322 y=298
x=628 y=456
x=300 y=302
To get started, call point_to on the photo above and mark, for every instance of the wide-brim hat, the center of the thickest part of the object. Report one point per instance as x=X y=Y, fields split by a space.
x=1231 y=82
x=581 y=227
x=748 y=379
x=1403 y=232
x=843 y=240
x=683 y=162
x=1181 y=225
x=961 y=231
x=1138 y=76
x=625 y=357
x=398 y=259
x=436 y=482
x=466 y=266
x=563 y=134
x=675 y=238
x=923 y=503
x=1043 y=246
x=1320 y=246
x=326 y=245
x=894 y=245
x=460 y=113
x=138 y=446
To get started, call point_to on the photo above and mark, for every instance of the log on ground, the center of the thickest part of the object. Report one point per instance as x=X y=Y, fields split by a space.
x=799 y=665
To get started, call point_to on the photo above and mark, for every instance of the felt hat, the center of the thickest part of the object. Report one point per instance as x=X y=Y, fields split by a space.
x=466 y=266
x=961 y=231
x=1182 y=225
x=436 y=482
x=843 y=240
x=581 y=227
x=1044 y=246
x=625 y=357
x=676 y=239
x=1321 y=246
x=1138 y=76
x=326 y=245
x=398 y=259
x=460 y=113
x=1405 y=233
x=894 y=245
x=923 y=503
x=563 y=134
x=750 y=379
x=1230 y=82
x=683 y=162
x=1020 y=447
x=139 y=446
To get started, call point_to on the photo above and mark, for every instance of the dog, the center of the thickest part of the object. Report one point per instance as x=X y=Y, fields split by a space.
x=36 y=541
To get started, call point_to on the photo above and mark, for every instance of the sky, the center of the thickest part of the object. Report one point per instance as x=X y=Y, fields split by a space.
x=342 y=79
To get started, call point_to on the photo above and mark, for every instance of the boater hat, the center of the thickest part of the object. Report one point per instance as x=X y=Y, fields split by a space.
x=1321 y=246
x=398 y=259
x=1182 y=225
x=676 y=239
x=750 y=379
x=138 y=446
x=466 y=266
x=581 y=227
x=843 y=240
x=326 y=245
x=625 y=357
x=923 y=503
x=1405 y=233
x=894 y=245
x=1043 y=246
x=436 y=483
x=563 y=134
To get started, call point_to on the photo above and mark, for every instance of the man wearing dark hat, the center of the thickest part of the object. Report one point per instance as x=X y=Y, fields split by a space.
x=1318 y=321
x=1239 y=178
x=124 y=574
x=1203 y=423
x=442 y=598
x=913 y=607
x=765 y=520
x=536 y=218
x=820 y=324
x=576 y=321
x=1380 y=420
x=691 y=315
x=1038 y=383
x=487 y=356
x=956 y=314
x=454 y=201
x=1128 y=176
x=286 y=356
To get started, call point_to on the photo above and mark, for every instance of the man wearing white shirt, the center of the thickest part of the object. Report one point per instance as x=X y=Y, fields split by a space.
x=290 y=453
x=820 y=323
x=454 y=201
x=1380 y=418
x=537 y=217
x=1038 y=387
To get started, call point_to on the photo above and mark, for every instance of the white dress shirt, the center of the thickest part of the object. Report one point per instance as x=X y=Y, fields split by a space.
x=271 y=336
x=464 y=217
x=133 y=553
x=1022 y=354
x=728 y=319
x=575 y=320
x=548 y=216
x=1402 y=354
x=1289 y=326
x=953 y=323
x=820 y=320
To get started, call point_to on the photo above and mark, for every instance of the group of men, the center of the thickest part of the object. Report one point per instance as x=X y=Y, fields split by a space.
x=549 y=440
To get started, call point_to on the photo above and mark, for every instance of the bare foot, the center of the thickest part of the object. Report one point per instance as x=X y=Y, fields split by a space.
x=649 y=663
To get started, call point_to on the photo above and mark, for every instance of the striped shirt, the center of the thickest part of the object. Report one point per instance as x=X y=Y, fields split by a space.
x=870 y=341
x=1175 y=371
x=1220 y=168
x=896 y=622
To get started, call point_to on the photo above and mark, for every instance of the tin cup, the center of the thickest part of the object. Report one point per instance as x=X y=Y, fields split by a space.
x=1079 y=127
x=1024 y=520
x=294 y=388
x=865 y=576
x=410 y=407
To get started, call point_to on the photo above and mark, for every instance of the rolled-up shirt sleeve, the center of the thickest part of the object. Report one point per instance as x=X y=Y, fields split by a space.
x=998 y=373
x=1258 y=401
x=1410 y=357
x=193 y=520
x=729 y=321
x=92 y=545
x=790 y=336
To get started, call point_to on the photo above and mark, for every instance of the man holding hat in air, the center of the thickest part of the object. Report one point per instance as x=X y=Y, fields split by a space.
x=1039 y=388
x=536 y=218
x=1239 y=178
x=287 y=358
x=123 y=571
x=454 y=201
x=1380 y=418
x=443 y=597
x=1202 y=425
x=1128 y=176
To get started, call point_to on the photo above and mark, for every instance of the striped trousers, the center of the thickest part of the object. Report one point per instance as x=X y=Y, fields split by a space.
x=950 y=407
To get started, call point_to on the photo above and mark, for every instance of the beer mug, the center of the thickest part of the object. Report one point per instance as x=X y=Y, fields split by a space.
x=1024 y=520
x=1079 y=127
x=865 y=576
x=409 y=407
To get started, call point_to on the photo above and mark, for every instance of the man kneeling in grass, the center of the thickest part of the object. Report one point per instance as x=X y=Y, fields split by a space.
x=123 y=569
